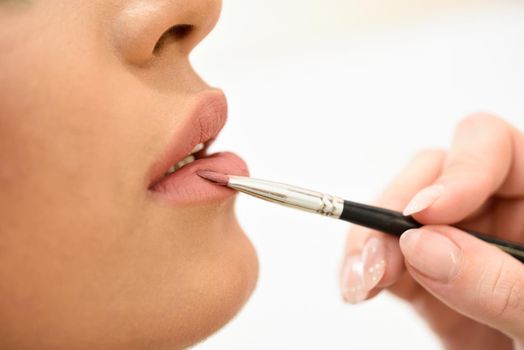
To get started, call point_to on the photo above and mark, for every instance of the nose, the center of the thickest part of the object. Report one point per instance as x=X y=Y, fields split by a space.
x=145 y=30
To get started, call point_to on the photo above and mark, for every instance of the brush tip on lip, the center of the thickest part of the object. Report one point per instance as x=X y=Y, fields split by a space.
x=213 y=176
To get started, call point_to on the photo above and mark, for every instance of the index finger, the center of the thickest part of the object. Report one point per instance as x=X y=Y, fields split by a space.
x=486 y=158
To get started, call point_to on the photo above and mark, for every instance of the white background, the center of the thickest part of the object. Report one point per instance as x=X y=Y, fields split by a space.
x=337 y=96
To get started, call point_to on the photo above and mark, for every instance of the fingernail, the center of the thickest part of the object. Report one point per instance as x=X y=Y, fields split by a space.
x=431 y=253
x=424 y=199
x=353 y=290
x=373 y=262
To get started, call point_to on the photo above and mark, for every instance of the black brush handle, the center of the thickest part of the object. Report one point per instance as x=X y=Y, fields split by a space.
x=395 y=223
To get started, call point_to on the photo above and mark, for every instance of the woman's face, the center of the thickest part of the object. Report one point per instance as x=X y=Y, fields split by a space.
x=98 y=248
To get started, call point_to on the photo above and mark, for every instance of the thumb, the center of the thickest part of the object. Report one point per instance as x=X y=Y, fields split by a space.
x=470 y=276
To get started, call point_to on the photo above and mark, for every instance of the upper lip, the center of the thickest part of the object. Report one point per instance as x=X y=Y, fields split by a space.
x=206 y=118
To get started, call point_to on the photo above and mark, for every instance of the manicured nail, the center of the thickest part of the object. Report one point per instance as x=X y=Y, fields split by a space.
x=353 y=290
x=431 y=253
x=424 y=199
x=373 y=262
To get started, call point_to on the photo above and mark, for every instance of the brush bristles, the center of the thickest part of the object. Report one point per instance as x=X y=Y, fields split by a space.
x=214 y=177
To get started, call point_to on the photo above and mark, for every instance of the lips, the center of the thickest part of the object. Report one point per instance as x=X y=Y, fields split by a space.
x=203 y=124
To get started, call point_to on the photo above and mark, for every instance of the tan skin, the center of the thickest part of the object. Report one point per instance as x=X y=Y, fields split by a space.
x=88 y=258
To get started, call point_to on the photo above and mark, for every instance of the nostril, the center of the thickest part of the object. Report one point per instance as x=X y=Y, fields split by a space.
x=173 y=34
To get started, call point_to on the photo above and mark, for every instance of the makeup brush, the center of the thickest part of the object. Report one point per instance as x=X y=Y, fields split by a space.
x=381 y=219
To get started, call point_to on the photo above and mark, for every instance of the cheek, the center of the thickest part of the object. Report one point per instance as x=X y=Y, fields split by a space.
x=84 y=253
x=77 y=137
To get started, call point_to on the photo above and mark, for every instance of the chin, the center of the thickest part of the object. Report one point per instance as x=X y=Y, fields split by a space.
x=231 y=283
x=219 y=284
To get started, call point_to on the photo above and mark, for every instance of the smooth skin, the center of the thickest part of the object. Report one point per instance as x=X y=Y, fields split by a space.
x=91 y=93
x=470 y=293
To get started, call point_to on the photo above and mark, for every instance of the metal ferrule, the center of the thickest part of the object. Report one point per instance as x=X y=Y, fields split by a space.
x=290 y=196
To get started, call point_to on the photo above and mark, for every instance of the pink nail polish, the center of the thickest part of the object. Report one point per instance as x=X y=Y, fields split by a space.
x=373 y=262
x=424 y=199
x=353 y=290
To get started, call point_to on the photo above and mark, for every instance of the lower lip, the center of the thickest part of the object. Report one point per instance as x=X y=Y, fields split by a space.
x=185 y=187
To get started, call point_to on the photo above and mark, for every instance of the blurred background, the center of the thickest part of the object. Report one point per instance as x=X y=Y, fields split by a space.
x=337 y=96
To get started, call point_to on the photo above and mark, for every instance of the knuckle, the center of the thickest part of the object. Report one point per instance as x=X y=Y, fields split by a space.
x=499 y=294
x=487 y=125
x=470 y=166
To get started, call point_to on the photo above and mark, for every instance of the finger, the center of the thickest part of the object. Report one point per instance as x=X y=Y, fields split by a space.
x=487 y=157
x=513 y=186
x=472 y=277
x=374 y=265
x=373 y=259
